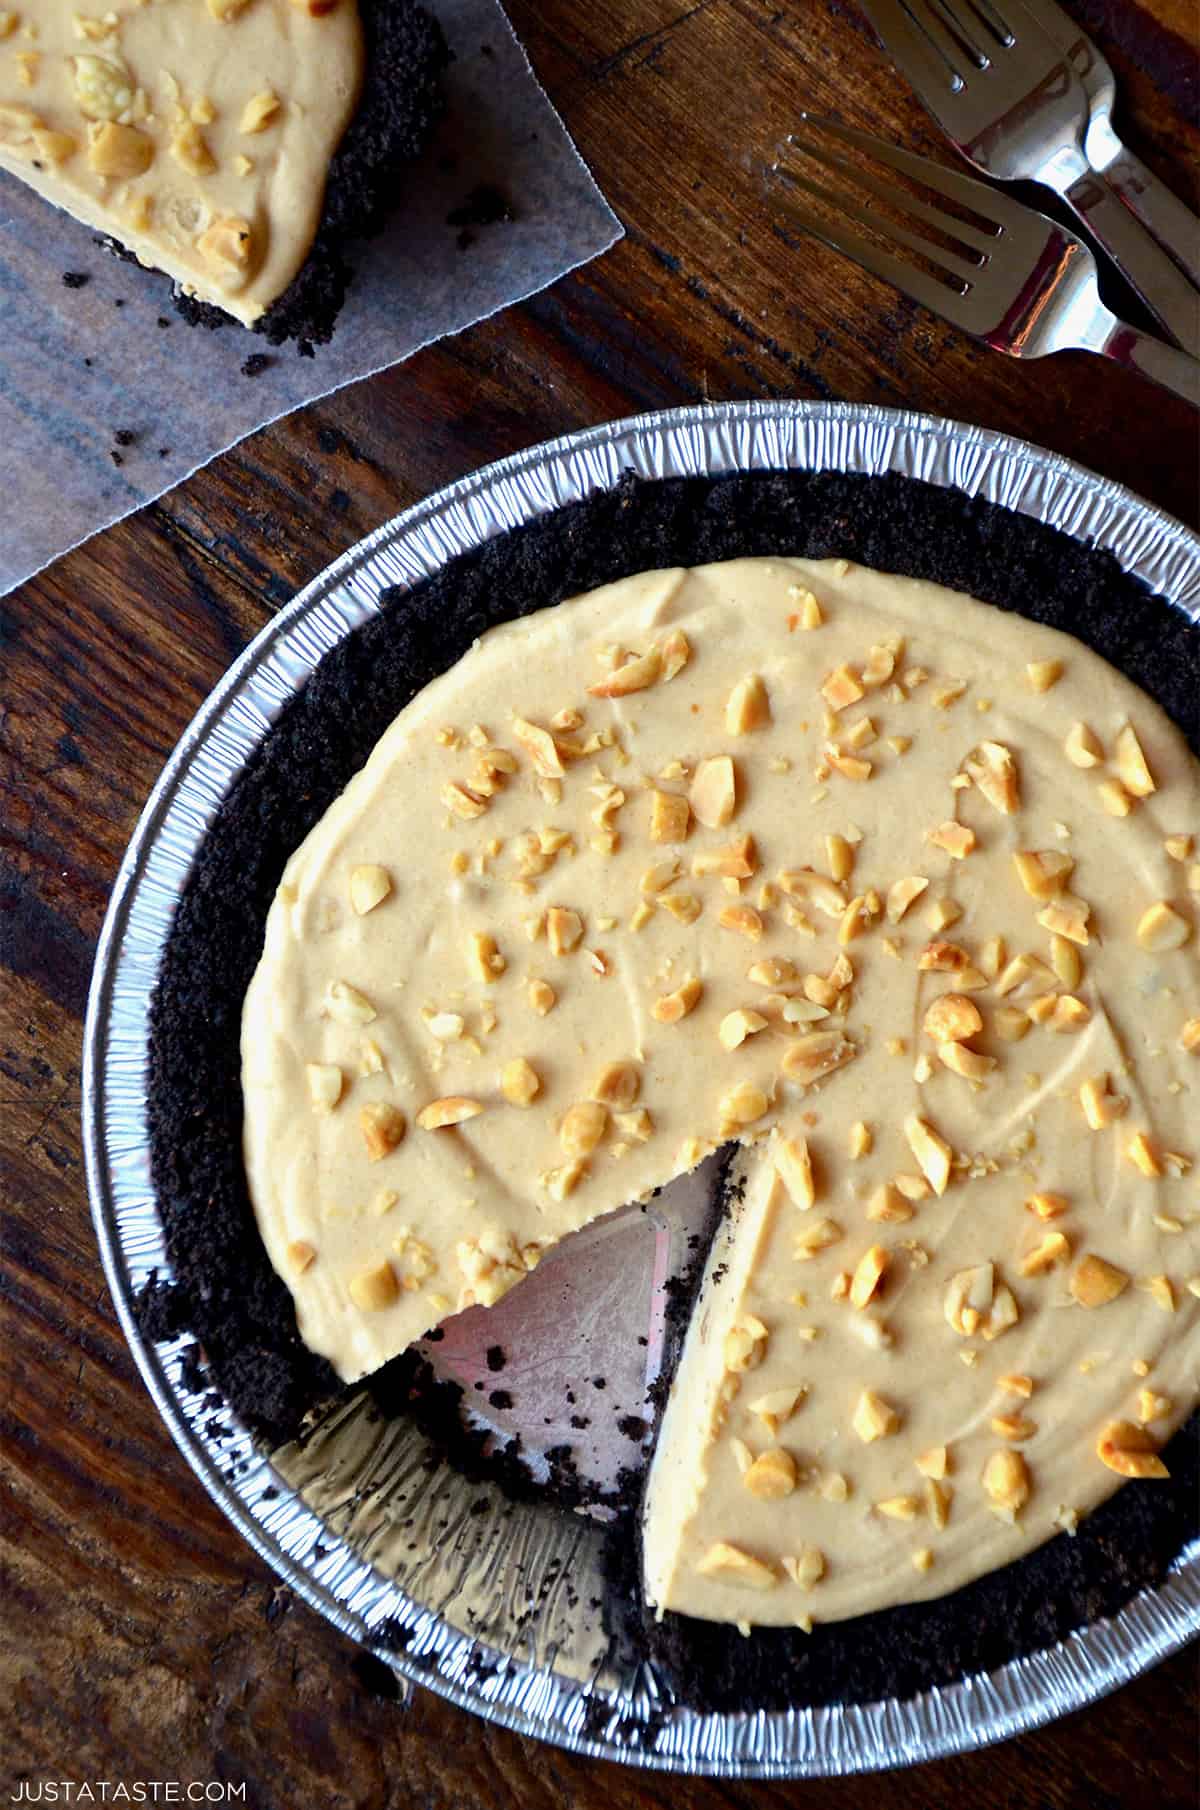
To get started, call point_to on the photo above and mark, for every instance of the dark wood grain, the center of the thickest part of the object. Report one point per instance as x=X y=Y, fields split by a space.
x=139 y=1638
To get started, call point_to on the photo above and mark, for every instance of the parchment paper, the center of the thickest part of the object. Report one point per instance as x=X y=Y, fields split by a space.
x=78 y=366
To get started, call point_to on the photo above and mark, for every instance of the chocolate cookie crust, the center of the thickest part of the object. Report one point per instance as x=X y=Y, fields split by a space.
x=224 y=1290
x=402 y=101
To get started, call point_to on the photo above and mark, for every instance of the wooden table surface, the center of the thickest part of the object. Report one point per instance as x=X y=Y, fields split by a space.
x=139 y=1637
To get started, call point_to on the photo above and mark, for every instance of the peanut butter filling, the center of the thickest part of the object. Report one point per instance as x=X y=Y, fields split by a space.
x=197 y=132
x=897 y=890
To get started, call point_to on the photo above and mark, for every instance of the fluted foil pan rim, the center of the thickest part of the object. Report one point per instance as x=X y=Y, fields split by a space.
x=700 y=441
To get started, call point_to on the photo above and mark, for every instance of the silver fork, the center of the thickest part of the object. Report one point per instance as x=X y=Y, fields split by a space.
x=1014 y=279
x=1174 y=226
x=1005 y=94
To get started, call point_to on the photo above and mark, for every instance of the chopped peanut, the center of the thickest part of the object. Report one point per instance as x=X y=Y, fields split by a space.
x=888 y=1205
x=970 y=1064
x=735 y=1027
x=635 y=675
x=1042 y=674
x=519 y=1082
x=486 y=958
x=1101 y=1104
x=793 y=1165
x=670 y=817
x=931 y=1151
x=1054 y=1248
x=901 y=895
x=1066 y=916
x=841 y=688
x=815 y=1236
x=737 y=860
x=713 y=793
x=742 y=918
x=453 y=1110
x=952 y=1016
x=748 y=706
x=542 y=997
x=1096 y=1282
x=1082 y=747
x=1143 y=1155
x=676 y=652
x=325 y=1083
x=873 y=1417
x=734 y=1566
x=383 y=1126
x=462 y=801
x=899 y=1508
x=1006 y=1480
x=772 y=1475
x=743 y=1105
x=375 y=1288
x=1161 y=928
x=1130 y=763
x=564 y=930
x=540 y=746
x=868 y=1275
x=957 y=839
x=1130 y=1451
x=618 y=1084
x=995 y=773
x=745 y=1344
x=807 y=1567
x=976 y=1303
x=817 y=1053
x=370 y=885
x=671 y=1007
x=1043 y=873
x=583 y=1127
x=1047 y=1206
x=840 y=856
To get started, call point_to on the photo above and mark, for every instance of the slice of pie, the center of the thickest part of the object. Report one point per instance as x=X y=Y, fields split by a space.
x=893 y=889
x=235 y=145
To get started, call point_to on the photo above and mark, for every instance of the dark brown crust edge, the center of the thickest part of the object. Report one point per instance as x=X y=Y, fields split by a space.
x=401 y=103
x=225 y=1292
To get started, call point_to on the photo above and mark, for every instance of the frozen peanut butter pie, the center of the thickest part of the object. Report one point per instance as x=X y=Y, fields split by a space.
x=894 y=890
x=722 y=814
x=219 y=141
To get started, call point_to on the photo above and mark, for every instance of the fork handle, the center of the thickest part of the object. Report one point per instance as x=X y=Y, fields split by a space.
x=1162 y=364
x=1157 y=279
x=1174 y=226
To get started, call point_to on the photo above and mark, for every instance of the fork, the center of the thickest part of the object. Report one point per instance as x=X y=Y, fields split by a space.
x=1015 y=279
x=1174 y=226
x=1005 y=94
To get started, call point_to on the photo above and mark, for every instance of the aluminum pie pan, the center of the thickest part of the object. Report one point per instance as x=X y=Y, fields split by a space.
x=564 y=1690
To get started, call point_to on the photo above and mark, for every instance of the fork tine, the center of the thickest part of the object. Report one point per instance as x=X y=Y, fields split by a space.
x=995 y=21
x=905 y=277
x=990 y=205
x=949 y=38
x=983 y=243
x=956 y=269
x=924 y=67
